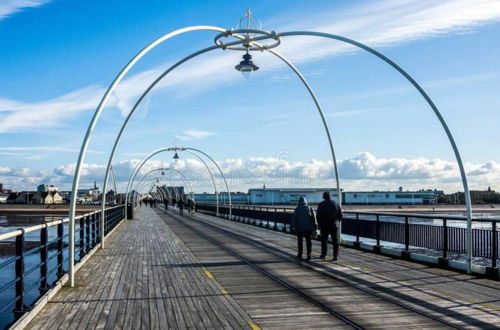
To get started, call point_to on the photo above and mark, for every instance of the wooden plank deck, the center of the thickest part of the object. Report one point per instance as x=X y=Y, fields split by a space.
x=167 y=271
x=133 y=285
x=462 y=300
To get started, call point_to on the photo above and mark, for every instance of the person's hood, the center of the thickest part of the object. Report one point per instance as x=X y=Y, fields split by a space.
x=302 y=201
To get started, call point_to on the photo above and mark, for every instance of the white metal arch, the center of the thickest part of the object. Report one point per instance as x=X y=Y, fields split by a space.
x=145 y=159
x=183 y=177
x=293 y=33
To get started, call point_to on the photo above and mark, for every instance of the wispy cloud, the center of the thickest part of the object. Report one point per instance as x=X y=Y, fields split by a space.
x=193 y=134
x=9 y=7
x=377 y=24
x=22 y=150
x=22 y=116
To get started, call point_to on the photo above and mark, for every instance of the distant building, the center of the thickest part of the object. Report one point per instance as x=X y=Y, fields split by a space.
x=288 y=195
x=210 y=198
x=4 y=191
x=3 y=198
x=315 y=195
x=43 y=188
x=11 y=198
x=23 y=197
x=477 y=197
x=88 y=195
x=427 y=197
x=48 y=197
x=110 y=197
x=174 y=190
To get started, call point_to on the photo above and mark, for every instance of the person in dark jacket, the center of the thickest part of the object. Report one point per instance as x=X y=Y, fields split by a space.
x=190 y=205
x=329 y=215
x=304 y=223
x=180 y=204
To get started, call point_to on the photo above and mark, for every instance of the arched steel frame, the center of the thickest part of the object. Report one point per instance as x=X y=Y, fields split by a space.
x=153 y=185
x=149 y=156
x=268 y=35
x=183 y=177
x=191 y=151
x=143 y=182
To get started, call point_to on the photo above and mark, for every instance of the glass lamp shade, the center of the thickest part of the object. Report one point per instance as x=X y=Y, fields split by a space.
x=246 y=66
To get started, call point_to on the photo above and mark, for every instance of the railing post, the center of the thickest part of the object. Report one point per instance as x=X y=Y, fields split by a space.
x=357 y=243
x=94 y=230
x=445 y=238
x=376 y=248
x=407 y=234
x=82 y=251
x=443 y=261
x=106 y=223
x=494 y=244
x=44 y=251
x=87 y=233
x=60 y=246
x=20 y=273
x=406 y=253
x=358 y=228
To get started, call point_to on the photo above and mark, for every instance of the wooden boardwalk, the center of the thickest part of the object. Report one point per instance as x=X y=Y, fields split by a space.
x=166 y=271
x=139 y=282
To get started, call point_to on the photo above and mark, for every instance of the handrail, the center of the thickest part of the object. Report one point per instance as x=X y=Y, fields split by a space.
x=49 y=251
x=385 y=213
x=425 y=216
x=18 y=232
x=403 y=229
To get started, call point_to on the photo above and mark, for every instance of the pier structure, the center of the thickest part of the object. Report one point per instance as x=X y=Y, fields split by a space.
x=163 y=270
x=162 y=170
x=217 y=269
x=193 y=151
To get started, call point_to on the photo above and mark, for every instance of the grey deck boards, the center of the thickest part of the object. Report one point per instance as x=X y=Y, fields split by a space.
x=128 y=286
x=463 y=300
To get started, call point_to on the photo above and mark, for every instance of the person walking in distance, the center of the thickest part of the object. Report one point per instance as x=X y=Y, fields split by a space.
x=180 y=204
x=190 y=205
x=329 y=215
x=304 y=223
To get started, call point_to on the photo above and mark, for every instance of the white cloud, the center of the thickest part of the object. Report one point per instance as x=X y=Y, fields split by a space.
x=365 y=171
x=14 y=150
x=9 y=7
x=23 y=116
x=194 y=134
x=376 y=24
x=388 y=22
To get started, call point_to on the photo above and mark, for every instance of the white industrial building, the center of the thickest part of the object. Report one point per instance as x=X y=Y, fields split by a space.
x=236 y=198
x=428 y=197
x=281 y=196
x=288 y=195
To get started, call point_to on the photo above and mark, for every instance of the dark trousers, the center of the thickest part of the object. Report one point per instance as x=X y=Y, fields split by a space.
x=325 y=232
x=300 y=242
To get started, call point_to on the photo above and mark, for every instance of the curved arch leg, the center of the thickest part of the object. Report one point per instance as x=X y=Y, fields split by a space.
x=90 y=129
x=434 y=109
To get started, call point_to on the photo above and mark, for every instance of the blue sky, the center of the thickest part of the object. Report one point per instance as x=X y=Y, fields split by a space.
x=59 y=56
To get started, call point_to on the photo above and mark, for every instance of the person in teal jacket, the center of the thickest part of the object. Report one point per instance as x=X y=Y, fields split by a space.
x=304 y=223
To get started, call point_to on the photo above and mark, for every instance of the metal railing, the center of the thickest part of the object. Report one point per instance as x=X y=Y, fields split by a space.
x=40 y=257
x=445 y=234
